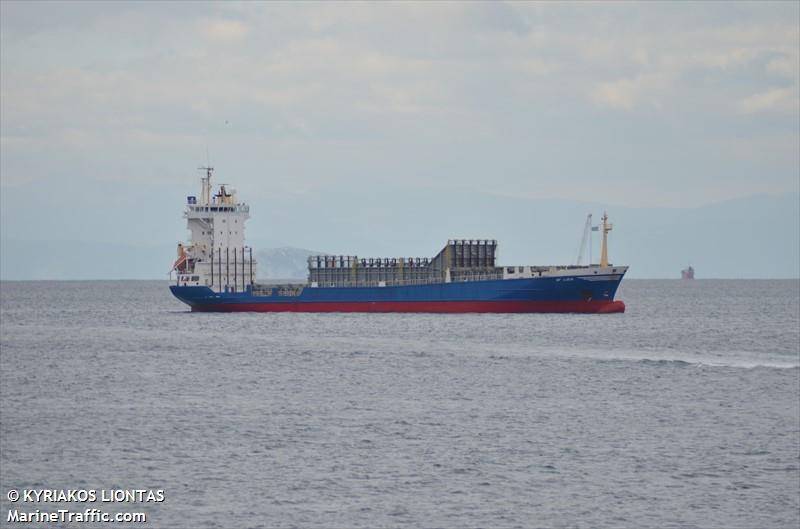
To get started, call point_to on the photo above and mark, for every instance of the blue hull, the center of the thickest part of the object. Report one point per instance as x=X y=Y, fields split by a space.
x=541 y=294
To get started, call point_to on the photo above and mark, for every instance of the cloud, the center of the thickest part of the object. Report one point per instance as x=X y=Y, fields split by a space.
x=499 y=16
x=773 y=100
x=628 y=94
x=446 y=91
x=785 y=65
x=224 y=31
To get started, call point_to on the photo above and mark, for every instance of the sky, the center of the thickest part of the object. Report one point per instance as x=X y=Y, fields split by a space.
x=107 y=109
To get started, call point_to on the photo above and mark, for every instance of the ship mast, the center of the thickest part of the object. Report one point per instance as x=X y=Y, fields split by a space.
x=604 y=249
x=205 y=194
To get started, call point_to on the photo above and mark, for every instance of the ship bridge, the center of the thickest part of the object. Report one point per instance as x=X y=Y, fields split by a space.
x=199 y=211
x=216 y=255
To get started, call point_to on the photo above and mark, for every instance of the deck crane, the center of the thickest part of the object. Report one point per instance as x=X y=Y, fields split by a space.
x=587 y=228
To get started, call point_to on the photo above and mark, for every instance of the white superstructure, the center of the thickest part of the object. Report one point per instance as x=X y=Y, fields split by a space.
x=216 y=255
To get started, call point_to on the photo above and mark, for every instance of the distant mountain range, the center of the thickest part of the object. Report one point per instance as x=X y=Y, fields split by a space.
x=753 y=237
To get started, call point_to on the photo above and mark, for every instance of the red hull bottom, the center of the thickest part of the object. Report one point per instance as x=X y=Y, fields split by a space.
x=584 y=307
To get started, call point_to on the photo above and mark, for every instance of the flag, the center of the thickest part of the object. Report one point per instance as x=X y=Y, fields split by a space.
x=595 y=228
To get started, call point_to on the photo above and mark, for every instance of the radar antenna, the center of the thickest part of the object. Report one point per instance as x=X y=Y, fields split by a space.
x=208 y=169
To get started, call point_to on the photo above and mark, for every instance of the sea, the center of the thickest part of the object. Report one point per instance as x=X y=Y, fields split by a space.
x=682 y=412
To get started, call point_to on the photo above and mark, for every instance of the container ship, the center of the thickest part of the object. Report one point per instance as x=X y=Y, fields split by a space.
x=216 y=272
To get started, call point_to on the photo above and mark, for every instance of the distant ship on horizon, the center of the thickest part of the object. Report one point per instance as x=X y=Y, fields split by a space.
x=687 y=273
